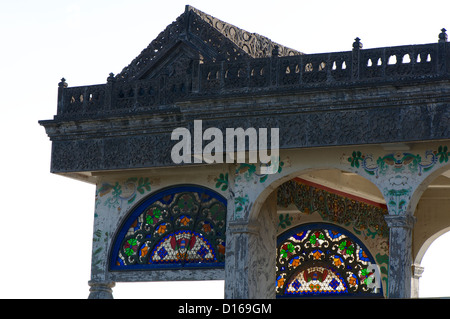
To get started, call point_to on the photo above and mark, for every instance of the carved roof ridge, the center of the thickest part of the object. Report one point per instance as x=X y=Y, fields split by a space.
x=243 y=38
x=227 y=41
x=149 y=54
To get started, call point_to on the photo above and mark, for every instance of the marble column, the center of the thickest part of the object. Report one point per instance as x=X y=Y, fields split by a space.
x=400 y=255
x=100 y=285
x=237 y=260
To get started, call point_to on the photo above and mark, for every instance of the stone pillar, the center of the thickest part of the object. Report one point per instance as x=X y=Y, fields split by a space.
x=357 y=46
x=100 y=285
x=417 y=274
x=101 y=290
x=61 y=87
x=237 y=260
x=251 y=256
x=400 y=255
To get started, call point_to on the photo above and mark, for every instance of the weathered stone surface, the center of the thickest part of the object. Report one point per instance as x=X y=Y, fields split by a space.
x=400 y=257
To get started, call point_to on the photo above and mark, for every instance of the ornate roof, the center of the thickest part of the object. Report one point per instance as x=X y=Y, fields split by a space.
x=202 y=68
x=205 y=38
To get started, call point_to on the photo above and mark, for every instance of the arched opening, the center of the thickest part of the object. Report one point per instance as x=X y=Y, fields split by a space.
x=433 y=282
x=178 y=228
x=337 y=197
x=348 y=204
x=431 y=237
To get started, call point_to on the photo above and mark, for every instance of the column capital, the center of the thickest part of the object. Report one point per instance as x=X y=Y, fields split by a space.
x=403 y=221
x=101 y=290
x=417 y=271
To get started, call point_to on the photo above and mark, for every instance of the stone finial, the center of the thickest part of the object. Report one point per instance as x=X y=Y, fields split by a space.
x=63 y=83
x=443 y=36
x=110 y=78
x=357 y=44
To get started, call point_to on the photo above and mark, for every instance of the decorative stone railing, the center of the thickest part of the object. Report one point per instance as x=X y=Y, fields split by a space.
x=291 y=73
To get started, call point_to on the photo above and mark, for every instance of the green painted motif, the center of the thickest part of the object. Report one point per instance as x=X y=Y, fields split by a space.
x=97 y=258
x=240 y=203
x=222 y=181
x=370 y=233
x=248 y=171
x=284 y=220
x=126 y=191
x=381 y=261
x=399 y=162
x=399 y=165
x=397 y=200
x=442 y=154
x=143 y=184
x=355 y=159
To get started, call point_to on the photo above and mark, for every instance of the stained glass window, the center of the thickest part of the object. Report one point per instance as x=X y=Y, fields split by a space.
x=324 y=260
x=177 y=227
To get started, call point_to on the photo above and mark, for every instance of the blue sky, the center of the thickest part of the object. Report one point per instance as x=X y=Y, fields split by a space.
x=46 y=220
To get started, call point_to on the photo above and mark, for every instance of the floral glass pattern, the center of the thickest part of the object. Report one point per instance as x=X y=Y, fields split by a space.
x=324 y=260
x=178 y=227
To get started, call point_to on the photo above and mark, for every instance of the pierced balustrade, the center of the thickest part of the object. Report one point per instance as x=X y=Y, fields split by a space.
x=236 y=75
x=289 y=69
x=299 y=71
x=259 y=73
x=315 y=68
x=411 y=60
x=340 y=66
x=84 y=99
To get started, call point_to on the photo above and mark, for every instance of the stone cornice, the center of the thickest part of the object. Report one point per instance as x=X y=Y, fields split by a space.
x=234 y=108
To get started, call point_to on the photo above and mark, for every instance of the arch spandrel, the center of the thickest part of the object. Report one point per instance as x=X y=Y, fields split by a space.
x=401 y=172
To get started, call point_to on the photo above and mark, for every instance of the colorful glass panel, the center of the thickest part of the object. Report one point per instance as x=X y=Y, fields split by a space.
x=322 y=260
x=178 y=227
